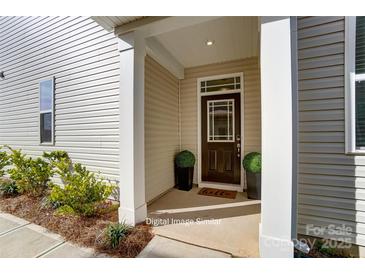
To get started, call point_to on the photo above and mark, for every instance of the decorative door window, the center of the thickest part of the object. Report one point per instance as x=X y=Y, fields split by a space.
x=220 y=120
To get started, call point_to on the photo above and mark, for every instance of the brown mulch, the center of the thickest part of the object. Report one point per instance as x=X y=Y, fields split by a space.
x=84 y=231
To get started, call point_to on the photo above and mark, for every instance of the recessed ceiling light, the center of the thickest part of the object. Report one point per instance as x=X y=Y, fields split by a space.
x=209 y=43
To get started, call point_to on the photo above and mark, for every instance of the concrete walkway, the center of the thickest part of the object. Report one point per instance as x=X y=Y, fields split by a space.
x=161 y=247
x=21 y=239
x=230 y=226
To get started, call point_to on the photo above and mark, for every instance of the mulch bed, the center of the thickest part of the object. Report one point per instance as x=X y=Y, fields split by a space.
x=84 y=231
x=325 y=248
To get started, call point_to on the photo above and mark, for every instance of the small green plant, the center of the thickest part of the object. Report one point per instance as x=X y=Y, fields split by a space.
x=31 y=175
x=115 y=233
x=185 y=159
x=83 y=192
x=8 y=188
x=252 y=162
x=4 y=161
x=65 y=210
x=328 y=248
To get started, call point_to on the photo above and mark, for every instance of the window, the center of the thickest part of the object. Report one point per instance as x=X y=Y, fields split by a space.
x=46 y=109
x=229 y=83
x=220 y=120
x=355 y=84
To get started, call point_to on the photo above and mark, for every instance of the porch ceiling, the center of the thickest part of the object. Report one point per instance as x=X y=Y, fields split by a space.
x=234 y=38
x=179 y=42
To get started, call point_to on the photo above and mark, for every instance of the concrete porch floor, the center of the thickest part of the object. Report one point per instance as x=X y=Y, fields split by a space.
x=226 y=225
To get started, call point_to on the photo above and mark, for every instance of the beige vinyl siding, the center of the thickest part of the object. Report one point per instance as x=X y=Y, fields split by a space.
x=252 y=102
x=161 y=128
x=331 y=183
x=84 y=60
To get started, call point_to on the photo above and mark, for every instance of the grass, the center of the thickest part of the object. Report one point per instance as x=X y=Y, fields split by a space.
x=84 y=231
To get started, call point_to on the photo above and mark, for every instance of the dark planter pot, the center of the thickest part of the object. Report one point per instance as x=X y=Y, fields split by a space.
x=184 y=177
x=253 y=185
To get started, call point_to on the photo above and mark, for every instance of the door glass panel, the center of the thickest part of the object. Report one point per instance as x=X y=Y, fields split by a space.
x=220 y=120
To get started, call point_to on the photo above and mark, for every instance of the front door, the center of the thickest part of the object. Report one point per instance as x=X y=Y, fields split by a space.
x=221 y=138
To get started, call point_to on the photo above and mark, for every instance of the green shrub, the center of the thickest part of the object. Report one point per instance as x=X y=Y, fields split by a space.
x=185 y=159
x=252 y=162
x=8 y=188
x=31 y=175
x=115 y=233
x=4 y=161
x=83 y=191
x=60 y=163
x=65 y=210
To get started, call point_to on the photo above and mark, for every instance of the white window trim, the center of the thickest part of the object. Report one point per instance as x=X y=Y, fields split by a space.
x=350 y=92
x=46 y=111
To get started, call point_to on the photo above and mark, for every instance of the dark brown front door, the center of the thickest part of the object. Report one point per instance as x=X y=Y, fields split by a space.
x=221 y=138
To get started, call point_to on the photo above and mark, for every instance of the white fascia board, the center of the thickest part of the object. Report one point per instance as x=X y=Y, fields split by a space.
x=159 y=53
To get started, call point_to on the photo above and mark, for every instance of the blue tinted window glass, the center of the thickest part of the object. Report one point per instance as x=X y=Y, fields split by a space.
x=46 y=94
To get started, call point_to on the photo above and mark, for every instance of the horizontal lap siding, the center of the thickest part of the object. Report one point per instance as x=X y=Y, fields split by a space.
x=161 y=128
x=331 y=183
x=84 y=60
x=252 y=102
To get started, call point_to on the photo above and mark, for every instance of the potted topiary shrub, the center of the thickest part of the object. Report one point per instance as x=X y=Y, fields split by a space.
x=252 y=165
x=184 y=170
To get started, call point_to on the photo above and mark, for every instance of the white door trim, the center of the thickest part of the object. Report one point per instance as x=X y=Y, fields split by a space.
x=218 y=185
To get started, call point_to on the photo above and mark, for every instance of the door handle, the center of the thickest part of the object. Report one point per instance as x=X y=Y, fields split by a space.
x=238 y=150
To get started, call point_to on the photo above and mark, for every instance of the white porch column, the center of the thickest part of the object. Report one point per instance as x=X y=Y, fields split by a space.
x=133 y=207
x=279 y=142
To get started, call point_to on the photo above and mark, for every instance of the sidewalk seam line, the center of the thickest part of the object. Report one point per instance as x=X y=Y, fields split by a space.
x=13 y=229
x=47 y=251
x=217 y=250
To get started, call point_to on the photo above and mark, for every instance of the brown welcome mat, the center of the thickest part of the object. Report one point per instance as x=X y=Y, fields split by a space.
x=206 y=191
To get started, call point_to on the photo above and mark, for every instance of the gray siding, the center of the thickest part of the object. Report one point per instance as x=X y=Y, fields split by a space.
x=331 y=183
x=84 y=60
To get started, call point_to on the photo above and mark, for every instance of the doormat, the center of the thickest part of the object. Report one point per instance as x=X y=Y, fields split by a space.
x=229 y=194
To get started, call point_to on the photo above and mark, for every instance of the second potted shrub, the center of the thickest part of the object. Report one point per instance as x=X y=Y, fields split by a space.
x=252 y=165
x=184 y=170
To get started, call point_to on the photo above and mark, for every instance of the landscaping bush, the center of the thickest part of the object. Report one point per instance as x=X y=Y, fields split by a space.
x=4 y=161
x=185 y=159
x=31 y=175
x=83 y=193
x=60 y=163
x=8 y=188
x=115 y=233
x=252 y=162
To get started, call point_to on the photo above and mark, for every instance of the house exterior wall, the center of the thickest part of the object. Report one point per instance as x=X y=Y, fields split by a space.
x=252 y=102
x=331 y=183
x=84 y=60
x=161 y=128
